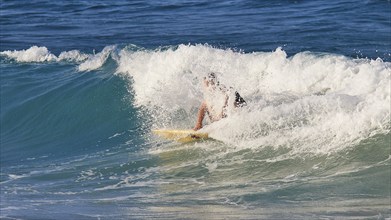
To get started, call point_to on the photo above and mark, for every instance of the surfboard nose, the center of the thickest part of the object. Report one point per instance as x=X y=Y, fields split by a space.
x=182 y=136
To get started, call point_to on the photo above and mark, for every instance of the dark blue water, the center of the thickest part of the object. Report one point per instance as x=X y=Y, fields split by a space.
x=84 y=82
x=353 y=28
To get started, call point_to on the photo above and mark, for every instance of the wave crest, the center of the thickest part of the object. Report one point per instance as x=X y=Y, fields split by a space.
x=309 y=102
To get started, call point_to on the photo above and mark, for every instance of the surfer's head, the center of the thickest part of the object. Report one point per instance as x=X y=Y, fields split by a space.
x=211 y=80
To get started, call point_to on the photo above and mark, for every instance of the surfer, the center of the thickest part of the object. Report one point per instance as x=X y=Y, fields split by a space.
x=216 y=101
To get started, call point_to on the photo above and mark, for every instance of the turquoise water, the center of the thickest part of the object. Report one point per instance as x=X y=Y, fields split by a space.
x=83 y=83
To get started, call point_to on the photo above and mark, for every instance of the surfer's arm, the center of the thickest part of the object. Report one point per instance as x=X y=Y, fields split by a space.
x=223 y=113
x=201 y=115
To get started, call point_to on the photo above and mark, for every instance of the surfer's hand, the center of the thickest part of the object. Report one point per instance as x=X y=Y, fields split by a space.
x=197 y=127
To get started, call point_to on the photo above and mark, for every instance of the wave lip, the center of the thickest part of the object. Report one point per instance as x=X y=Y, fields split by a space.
x=96 y=61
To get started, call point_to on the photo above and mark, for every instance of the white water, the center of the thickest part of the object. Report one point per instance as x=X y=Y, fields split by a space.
x=315 y=103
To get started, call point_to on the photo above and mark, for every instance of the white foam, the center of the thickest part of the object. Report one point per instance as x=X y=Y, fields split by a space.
x=73 y=55
x=33 y=54
x=42 y=54
x=318 y=103
x=96 y=61
x=87 y=62
x=14 y=176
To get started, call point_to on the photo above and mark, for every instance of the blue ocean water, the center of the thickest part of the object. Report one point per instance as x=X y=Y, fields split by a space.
x=84 y=82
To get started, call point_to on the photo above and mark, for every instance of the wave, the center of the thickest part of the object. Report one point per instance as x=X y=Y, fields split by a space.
x=309 y=102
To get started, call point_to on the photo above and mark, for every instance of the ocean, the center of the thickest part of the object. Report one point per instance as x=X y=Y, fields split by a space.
x=83 y=83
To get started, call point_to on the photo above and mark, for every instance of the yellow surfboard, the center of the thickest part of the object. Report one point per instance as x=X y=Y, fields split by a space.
x=182 y=136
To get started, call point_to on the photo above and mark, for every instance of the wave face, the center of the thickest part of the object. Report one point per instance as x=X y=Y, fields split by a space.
x=316 y=127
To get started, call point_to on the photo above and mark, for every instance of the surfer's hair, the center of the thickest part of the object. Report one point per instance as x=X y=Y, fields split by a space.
x=212 y=75
x=212 y=78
